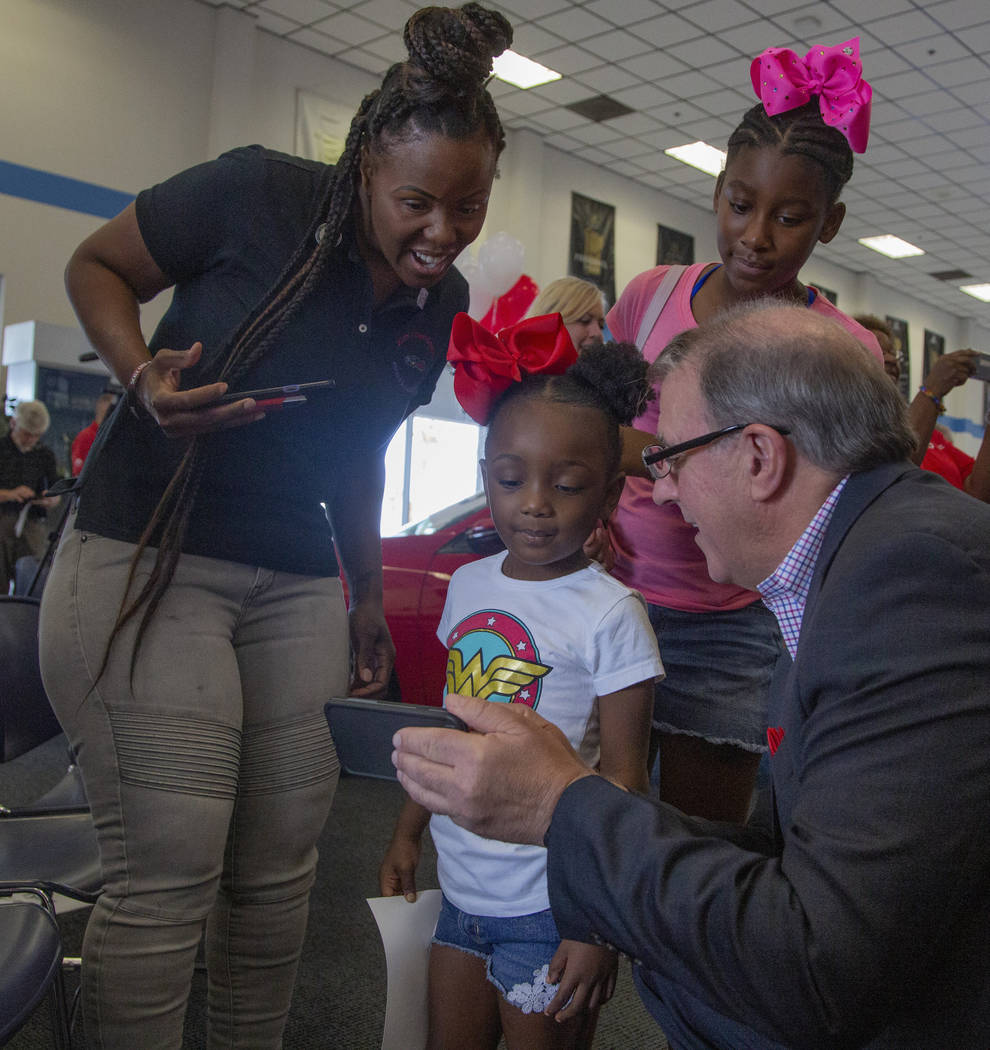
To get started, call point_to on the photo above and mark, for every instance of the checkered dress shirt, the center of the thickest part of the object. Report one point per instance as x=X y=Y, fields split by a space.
x=785 y=590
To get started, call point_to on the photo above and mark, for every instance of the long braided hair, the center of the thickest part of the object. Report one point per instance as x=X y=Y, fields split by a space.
x=799 y=132
x=440 y=89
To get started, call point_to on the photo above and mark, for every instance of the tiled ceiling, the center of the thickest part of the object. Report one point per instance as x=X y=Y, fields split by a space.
x=683 y=67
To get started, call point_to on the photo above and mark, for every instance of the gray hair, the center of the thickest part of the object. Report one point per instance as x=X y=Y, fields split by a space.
x=32 y=416
x=789 y=367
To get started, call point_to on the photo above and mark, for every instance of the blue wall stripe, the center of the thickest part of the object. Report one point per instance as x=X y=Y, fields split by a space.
x=46 y=188
x=962 y=426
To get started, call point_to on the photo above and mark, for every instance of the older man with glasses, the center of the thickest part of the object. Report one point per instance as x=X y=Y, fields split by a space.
x=864 y=920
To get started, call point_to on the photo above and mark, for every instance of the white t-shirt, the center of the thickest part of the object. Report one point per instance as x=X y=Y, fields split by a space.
x=555 y=645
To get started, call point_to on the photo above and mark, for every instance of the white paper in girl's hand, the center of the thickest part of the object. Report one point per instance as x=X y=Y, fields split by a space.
x=406 y=931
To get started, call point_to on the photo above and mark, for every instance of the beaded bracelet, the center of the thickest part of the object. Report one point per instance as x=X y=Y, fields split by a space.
x=130 y=391
x=936 y=400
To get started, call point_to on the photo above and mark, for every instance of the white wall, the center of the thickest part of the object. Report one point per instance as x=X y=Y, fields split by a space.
x=124 y=92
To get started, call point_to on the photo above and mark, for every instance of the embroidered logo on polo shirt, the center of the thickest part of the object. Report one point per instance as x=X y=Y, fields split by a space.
x=775 y=734
x=416 y=354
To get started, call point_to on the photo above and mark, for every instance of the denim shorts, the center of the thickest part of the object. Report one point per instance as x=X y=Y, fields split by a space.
x=718 y=668
x=517 y=951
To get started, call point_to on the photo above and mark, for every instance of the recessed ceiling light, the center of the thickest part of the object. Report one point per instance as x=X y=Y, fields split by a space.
x=522 y=72
x=699 y=155
x=891 y=246
x=977 y=291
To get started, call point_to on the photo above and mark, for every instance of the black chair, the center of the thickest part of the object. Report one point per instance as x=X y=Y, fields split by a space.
x=30 y=968
x=26 y=716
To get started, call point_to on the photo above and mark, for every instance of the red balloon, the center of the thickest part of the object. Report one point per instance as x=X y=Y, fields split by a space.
x=511 y=307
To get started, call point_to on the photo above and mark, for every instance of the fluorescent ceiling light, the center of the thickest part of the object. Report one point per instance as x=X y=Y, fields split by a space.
x=891 y=246
x=522 y=72
x=699 y=155
x=977 y=291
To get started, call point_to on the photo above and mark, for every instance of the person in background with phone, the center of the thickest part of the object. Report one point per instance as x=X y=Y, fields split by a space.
x=935 y=450
x=543 y=626
x=27 y=468
x=194 y=622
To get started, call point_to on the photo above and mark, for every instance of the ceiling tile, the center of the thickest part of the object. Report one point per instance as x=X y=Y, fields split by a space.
x=626 y=12
x=715 y=15
x=302 y=11
x=606 y=79
x=644 y=96
x=618 y=45
x=903 y=27
x=349 y=28
x=317 y=41
x=568 y=59
x=705 y=51
x=532 y=40
x=857 y=10
x=576 y=23
x=666 y=31
x=958 y=14
x=654 y=65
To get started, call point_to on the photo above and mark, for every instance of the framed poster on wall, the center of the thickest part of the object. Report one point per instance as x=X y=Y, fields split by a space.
x=593 y=243
x=321 y=127
x=899 y=332
x=673 y=247
x=934 y=348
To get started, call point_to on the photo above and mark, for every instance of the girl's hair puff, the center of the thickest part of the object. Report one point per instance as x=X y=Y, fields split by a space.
x=798 y=132
x=608 y=377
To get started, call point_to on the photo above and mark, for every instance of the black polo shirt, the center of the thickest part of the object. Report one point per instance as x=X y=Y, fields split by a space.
x=224 y=231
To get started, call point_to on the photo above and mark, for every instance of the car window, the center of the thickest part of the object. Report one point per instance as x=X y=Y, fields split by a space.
x=444 y=518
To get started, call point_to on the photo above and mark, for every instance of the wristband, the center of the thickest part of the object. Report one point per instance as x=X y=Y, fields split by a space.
x=936 y=400
x=130 y=391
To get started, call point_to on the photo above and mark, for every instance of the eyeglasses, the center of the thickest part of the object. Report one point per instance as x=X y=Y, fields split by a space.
x=659 y=459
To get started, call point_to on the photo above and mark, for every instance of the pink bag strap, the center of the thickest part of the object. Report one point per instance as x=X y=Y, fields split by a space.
x=657 y=303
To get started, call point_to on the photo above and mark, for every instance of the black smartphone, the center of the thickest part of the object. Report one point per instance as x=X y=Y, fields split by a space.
x=362 y=731
x=982 y=368
x=289 y=390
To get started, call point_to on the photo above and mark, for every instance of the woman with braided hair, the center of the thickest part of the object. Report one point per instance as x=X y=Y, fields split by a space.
x=194 y=622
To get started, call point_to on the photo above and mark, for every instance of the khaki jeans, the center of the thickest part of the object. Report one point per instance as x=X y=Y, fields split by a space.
x=210 y=772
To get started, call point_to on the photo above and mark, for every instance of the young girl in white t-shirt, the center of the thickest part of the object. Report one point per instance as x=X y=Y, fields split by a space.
x=543 y=625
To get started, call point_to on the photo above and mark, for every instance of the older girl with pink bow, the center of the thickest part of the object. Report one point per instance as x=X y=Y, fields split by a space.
x=777 y=197
x=543 y=626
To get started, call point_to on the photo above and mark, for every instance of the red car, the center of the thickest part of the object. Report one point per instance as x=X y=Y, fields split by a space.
x=418 y=564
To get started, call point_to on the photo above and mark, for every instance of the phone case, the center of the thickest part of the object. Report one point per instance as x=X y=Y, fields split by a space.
x=362 y=731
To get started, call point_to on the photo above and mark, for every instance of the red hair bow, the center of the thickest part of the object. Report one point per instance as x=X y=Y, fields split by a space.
x=486 y=365
x=782 y=81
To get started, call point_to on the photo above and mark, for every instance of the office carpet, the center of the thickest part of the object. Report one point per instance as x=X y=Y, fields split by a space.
x=340 y=993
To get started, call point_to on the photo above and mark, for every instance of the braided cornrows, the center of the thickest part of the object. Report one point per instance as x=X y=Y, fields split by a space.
x=800 y=132
x=440 y=89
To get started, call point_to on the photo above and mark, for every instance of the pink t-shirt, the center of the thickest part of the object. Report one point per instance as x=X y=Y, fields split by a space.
x=655 y=552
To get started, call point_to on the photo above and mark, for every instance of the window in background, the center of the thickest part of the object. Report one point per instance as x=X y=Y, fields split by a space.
x=429 y=464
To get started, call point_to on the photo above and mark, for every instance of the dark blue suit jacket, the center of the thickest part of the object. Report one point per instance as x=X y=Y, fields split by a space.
x=867 y=922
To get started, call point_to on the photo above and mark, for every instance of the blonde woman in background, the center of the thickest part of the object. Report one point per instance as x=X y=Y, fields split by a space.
x=580 y=303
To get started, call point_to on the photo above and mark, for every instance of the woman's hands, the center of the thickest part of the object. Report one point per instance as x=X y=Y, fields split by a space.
x=373 y=649
x=185 y=413
x=586 y=974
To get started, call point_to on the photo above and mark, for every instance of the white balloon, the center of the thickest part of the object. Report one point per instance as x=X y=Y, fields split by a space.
x=501 y=261
x=478 y=286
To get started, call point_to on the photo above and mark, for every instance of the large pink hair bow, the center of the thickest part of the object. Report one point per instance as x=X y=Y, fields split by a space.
x=486 y=365
x=783 y=81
